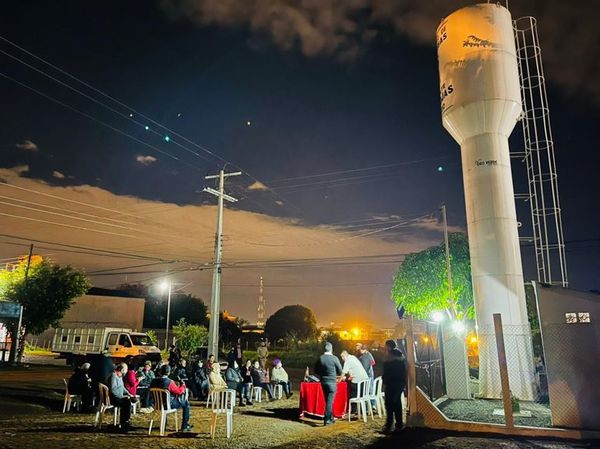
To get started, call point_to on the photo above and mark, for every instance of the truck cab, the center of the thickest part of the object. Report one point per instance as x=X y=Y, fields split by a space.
x=132 y=347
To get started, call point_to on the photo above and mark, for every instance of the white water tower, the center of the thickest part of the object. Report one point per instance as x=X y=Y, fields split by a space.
x=481 y=102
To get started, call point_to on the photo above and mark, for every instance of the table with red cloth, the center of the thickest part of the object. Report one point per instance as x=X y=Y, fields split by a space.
x=312 y=399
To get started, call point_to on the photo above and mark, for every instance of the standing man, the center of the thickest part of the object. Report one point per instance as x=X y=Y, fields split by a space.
x=328 y=367
x=368 y=362
x=394 y=381
x=354 y=371
x=262 y=353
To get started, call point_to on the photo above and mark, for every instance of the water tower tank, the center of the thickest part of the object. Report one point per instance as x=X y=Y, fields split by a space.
x=481 y=102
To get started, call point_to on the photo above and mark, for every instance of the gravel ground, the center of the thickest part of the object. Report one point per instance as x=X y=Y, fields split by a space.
x=481 y=410
x=30 y=418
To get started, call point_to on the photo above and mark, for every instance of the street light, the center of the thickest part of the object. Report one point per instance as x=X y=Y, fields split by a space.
x=166 y=285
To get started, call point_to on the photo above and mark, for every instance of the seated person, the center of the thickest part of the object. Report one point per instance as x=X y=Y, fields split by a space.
x=131 y=380
x=200 y=379
x=260 y=378
x=180 y=374
x=119 y=396
x=235 y=381
x=280 y=377
x=177 y=392
x=147 y=375
x=81 y=384
x=215 y=379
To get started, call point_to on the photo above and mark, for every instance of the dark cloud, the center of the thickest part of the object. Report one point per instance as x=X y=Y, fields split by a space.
x=342 y=29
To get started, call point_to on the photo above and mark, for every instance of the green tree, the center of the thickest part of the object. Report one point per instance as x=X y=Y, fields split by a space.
x=229 y=331
x=421 y=282
x=45 y=295
x=292 y=323
x=189 y=336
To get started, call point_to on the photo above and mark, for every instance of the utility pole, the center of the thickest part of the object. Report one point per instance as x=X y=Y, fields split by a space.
x=448 y=266
x=215 y=300
x=167 y=286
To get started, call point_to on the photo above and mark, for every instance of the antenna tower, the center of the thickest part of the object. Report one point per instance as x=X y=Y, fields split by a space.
x=260 y=321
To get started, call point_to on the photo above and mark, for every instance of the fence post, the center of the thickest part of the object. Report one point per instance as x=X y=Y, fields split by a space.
x=506 y=396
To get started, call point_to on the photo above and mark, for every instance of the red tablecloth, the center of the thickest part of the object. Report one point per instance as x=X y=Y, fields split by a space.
x=312 y=400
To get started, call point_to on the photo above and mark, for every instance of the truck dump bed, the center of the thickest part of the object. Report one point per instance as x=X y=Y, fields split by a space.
x=82 y=340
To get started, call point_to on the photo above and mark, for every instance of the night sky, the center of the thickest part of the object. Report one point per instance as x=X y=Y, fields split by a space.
x=349 y=94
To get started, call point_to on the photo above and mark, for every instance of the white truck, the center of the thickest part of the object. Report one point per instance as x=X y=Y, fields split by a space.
x=123 y=345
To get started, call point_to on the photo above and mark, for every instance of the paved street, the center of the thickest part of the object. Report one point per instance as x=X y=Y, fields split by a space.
x=30 y=417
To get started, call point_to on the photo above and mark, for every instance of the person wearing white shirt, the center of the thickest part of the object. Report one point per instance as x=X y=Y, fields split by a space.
x=354 y=370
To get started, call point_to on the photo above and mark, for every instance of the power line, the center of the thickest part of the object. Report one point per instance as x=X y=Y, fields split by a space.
x=376 y=167
x=129 y=108
x=84 y=114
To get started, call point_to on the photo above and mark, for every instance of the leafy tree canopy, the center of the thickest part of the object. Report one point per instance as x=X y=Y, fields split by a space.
x=296 y=322
x=189 y=336
x=49 y=291
x=229 y=331
x=421 y=282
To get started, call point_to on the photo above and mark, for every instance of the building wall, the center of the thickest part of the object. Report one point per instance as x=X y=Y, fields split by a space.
x=570 y=325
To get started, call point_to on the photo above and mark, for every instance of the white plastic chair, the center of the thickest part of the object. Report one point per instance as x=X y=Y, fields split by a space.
x=278 y=391
x=361 y=400
x=222 y=404
x=134 y=405
x=162 y=405
x=104 y=405
x=71 y=399
x=256 y=394
x=377 y=396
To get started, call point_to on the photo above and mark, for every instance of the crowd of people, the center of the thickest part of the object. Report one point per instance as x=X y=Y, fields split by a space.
x=131 y=384
x=359 y=368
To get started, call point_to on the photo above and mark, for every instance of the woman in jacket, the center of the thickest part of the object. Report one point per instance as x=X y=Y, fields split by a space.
x=235 y=381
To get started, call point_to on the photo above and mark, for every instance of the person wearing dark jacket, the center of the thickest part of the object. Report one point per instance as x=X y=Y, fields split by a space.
x=201 y=379
x=328 y=368
x=174 y=356
x=235 y=381
x=260 y=378
x=81 y=384
x=101 y=368
x=394 y=381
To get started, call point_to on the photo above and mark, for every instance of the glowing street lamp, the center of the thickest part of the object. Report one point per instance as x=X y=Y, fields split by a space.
x=437 y=316
x=166 y=286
